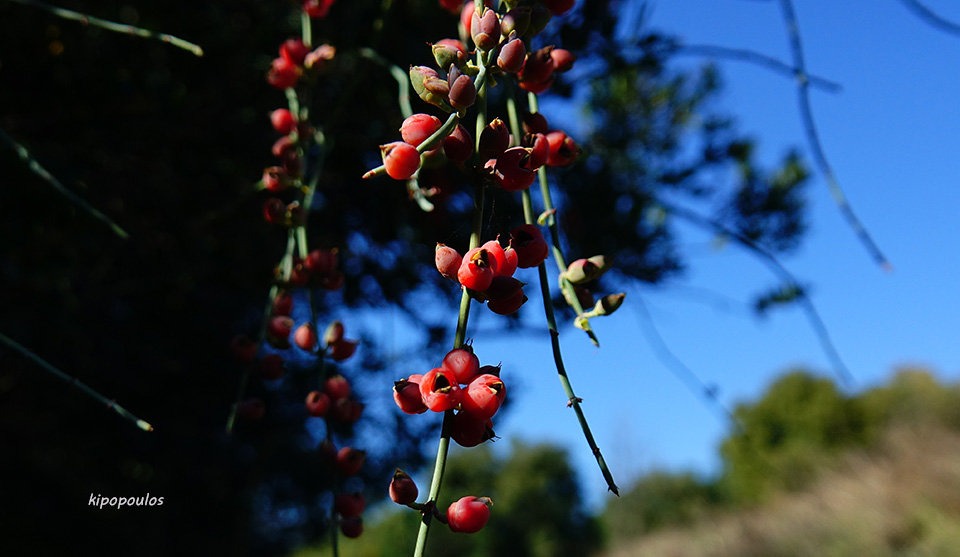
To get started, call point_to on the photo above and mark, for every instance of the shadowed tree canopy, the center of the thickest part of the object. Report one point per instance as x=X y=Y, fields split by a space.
x=170 y=146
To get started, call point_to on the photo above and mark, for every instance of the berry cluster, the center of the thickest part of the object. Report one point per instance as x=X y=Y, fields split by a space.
x=487 y=271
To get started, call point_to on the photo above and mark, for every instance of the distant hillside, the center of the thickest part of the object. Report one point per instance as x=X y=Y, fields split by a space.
x=896 y=495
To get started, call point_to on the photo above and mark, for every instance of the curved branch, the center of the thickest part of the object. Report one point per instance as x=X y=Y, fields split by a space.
x=931 y=18
x=813 y=316
x=758 y=58
x=813 y=137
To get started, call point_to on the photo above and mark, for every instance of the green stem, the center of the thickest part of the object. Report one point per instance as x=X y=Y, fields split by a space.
x=572 y=400
x=113 y=26
x=42 y=172
x=82 y=387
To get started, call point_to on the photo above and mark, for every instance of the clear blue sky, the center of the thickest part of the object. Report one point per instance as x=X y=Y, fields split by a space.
x=892 y=137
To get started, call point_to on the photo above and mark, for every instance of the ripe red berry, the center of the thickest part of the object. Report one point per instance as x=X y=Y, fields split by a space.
x=274 y=211
x=351 y=527
x=512 y=169
x=440 y=390
x=452 y=6
x=406 y=393
x=539 y=149
x=400 y=159
x=283 y=121
x=403 y=490
x=275 y=178
x=350 y=460
x=271 y=367
x=294 y=50
x=305 y=337
x=346 y=410
x=534 y=122
x=317 y=8
x=477 y=269
x=448 y=261
x=494 y=140
x=509 y=304
x=342 y=349
x=349 y=505
x=418 y=127
x=563 y=59
x=283 y=73
x=469 y=514
x=321 y=261
x=502 y=287
x=530 y=245
x=463 y=363
x=558 y=7
x=243 y=348
x=468 y=431
x=317 y=403
x=483 y=397
x=337 y=387
x=283 y=303
x=563 y=149
x=278 y=331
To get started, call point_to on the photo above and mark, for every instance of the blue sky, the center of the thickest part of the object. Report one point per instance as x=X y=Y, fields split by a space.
x=891 y=135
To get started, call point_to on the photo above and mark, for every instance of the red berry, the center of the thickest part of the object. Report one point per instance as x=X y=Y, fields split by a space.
x=346 y=410
x=463 y=363
x=283 y=121
x=512 y=56
x=539 y=149
x=512 y=169
x=342 y=349
x=275 y=178
x=349 y=505
x=448 y=261
x=400 y=159
x=418 y=127
x=510 y=262
x=321 y=261
x=271 y=367
x=283 y=304
x=274 y=211
x=406 y=393
x=278 y=331
x=305 y=337
x=483 y=397
x=539 y=66
x=469 y=431
x=529 y=244
x=485 y=29
x=458 y=146
x=563 y=149
x=351 y=527
x=558 y=7
x=283 y=73
x=317 y=8
x=563 y=59
x=350 y=460
x=534 y=122
x=496 y=252
x=403 y=490
x=452 y=6
x=317 y=403
x=463 y=92
x=294 y=50
x=477 y=270
x=494 y=140
x=337 y=387
x=502 y=287
x=469 y=514
x=243 y=348
x=440 y=390
x=509 y=304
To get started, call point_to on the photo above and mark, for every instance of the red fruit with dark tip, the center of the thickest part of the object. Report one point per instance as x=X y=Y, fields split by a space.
x=563 y=149
x=243 y=348
x=342 y=349
x=350 y=460
x=349 y=505
x=317 y=8
x=539 y=149
x=483 y=397
x=283 y=304
x=448 y=261
x=463 y=363
x=512 y=56
x=401 y=160
x=305 y=337
x=283 y=121
x=406 y=393
x=283 y=73
x=494 y=140
x=274 y=211
x=530 y=245
x=278 y=331
x=271 y=367
x=469 y=514
x=468 y=431
x=508 y=305
x=563 y=59
x=502 y=288
x=418 y=127
x=346 y=410
x=275 y=178
x=534 y=122
x=337 y=387
x=512 y=169
x=496 y=251
x=321 y=261
x=440 y=390
x=317 y=403
x=477 y=270
x=403 y=490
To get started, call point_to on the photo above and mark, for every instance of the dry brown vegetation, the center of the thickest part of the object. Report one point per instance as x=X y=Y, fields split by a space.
x=900 y=498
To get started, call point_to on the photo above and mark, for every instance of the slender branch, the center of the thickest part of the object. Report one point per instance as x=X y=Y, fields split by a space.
x=69 y=379
x=680 y=370
x=813 y=316
x=113 y=26
x=40 y=171
x=401 y=77
x=750 y=56
x=813 y=137
x=931 y=17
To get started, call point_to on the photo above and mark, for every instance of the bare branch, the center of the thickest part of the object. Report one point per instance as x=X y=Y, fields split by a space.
x=932 y=18
x=760 y=59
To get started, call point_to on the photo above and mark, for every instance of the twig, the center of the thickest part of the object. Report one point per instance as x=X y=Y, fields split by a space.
x=69 y=379
x=813 y=316
x=758 y=58
x=40 y=171
x=401 y=77
x=113 y=26
x=932 y=17
x=813 y=137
